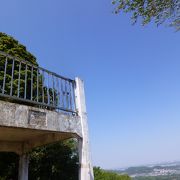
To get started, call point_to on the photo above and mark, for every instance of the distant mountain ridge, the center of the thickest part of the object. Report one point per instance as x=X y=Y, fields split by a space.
x=153 y=170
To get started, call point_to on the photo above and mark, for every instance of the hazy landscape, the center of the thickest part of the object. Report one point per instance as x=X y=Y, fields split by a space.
x=164 y=171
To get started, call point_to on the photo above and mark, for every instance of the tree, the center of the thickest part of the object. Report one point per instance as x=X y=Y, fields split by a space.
x=158 y=10
x=100 y=174
x=54 y=162
x=12 y=47
x=8 y=166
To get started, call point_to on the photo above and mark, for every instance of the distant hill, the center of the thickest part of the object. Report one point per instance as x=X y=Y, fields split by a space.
x=167 y=177
x=164 y=171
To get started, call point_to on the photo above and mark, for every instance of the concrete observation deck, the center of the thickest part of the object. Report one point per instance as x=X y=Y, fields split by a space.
x=24 y=127
x=39 y=107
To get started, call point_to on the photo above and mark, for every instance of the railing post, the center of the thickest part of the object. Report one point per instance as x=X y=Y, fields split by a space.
x=85 y=170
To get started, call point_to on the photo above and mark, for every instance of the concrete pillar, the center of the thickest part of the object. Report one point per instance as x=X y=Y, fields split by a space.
x=86 y=170
x=23 y=167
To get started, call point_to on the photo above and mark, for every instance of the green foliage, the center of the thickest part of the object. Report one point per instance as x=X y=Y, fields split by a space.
x=165 y=177
x=12 y=47
x=8 y=166
x=51 y=162
x=157 y=10
x=54 y=162
x=100 y=174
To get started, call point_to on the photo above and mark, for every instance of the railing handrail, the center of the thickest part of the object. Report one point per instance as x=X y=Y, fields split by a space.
x=57 y=93
x=35 y=66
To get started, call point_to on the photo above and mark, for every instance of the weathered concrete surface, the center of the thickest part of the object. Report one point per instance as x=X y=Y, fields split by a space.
x=22 y=116
x=24 y=127
x=86 y=170
x=23 y=167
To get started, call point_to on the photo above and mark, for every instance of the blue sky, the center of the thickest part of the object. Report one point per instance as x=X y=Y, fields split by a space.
x=131 y=73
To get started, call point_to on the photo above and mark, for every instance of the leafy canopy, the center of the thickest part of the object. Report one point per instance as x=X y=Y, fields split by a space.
x=11 y=46
x=100 y=174
x=158 y=10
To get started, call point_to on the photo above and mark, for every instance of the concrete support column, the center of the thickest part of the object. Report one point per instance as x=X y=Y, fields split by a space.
x=23 y=167
x=86 y=170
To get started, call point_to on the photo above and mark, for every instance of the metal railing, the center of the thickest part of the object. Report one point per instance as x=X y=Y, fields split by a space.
x=24 y=82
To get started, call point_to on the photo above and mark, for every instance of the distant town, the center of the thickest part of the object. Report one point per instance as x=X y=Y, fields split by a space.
x=169 y=170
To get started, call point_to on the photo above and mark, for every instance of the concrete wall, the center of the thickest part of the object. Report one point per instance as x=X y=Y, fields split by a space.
x=22 y=116
x=24 y=127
